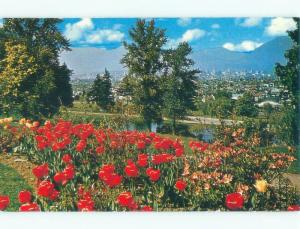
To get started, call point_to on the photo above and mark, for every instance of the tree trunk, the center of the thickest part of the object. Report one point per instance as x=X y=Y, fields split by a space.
x=148 y=123
x=174 y=125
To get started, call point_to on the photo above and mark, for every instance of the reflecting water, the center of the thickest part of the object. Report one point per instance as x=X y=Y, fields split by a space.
x=206 y=135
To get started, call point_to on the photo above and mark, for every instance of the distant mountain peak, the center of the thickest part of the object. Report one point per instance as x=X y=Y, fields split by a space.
x=87 y=60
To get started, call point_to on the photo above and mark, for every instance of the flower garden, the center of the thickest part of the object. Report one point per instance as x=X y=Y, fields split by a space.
x=80 y=167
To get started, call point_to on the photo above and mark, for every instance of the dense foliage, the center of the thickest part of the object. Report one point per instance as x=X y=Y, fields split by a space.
x=33 y=82
x=289 y=75
x=178 y=82
x=101 y=91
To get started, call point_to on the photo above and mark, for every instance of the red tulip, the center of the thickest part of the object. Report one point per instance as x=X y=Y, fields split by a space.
x=41 y=171
x=60 y=178
x=131 y=170
x=180 y=185
x=29 y=207
x=67 y=158
x=141 y=145
x=153 y=174
x=179 y=152
x=147 y=209
x=294 y=208
x=24 y=197
x=142 y=160
x=4 y=202
x=100 y=149
x=234 y=201
x=125 y=199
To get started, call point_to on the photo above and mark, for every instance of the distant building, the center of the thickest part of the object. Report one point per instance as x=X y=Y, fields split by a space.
x=236 y=96
x=272 y=103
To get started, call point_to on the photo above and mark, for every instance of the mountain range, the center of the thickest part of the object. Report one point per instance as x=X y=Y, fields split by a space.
x=87 y=61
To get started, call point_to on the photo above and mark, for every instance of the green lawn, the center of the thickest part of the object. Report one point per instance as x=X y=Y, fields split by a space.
x=11 y=183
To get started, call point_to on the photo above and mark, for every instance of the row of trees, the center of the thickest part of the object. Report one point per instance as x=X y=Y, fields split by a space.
x=32 y=81
x=160 y=81
x=223 y=106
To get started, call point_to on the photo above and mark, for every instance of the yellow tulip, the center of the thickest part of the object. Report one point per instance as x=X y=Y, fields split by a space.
x=22 y=121
x=261 y=185
x=28 y=125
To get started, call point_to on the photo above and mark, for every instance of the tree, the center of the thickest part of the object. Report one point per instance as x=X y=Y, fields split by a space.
x=289 y=77
x=221 y=107
x=144 y=62
x=16 y=67
x=49 y=87
x=245 y=106
x=178 y=83
x=101 y=91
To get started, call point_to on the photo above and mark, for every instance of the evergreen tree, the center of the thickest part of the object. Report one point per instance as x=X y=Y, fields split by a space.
x=144 y=62
x=289 y=77
x=178 y=83
x=41 y=93
x=101 y=91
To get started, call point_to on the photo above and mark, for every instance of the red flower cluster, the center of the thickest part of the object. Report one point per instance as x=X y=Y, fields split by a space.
x=198 y=146
x=125 y=199
x=46 y=189
x=140 y=145
x=25 y=199
x=180 y=185
x=67 y=174
x=109 y=177
x=162 y=158
x=142 y=160
x=234 y=201
x=4 y=202
x=153 y=174
x=41 y=171
x=85 y=203
x=131 y=169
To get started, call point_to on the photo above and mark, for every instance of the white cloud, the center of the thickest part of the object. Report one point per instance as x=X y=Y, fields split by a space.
x=84 y=32
x=117 y=26
x=215 y=26
x=245 y=46
x=76 y=31
x=278 y=26
x=102 y=35
x=192 y=34
x=251 y=22
x=185 y=21
x=188 y=36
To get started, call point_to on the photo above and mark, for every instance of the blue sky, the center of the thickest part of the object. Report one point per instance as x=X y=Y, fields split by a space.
x=235 y=34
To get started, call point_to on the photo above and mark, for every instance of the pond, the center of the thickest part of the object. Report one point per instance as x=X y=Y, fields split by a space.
x=205 y=134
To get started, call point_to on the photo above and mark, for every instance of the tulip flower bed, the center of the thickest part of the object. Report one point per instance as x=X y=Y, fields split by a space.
x=83 y=168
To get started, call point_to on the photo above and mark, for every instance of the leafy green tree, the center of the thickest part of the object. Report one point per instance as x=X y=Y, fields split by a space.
x=221 y=107
x=17 y=66
x=49 y=87
x=144 y=62
x=101 y=91
x=245 y=106
x=289 y=77
x=178 y=83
